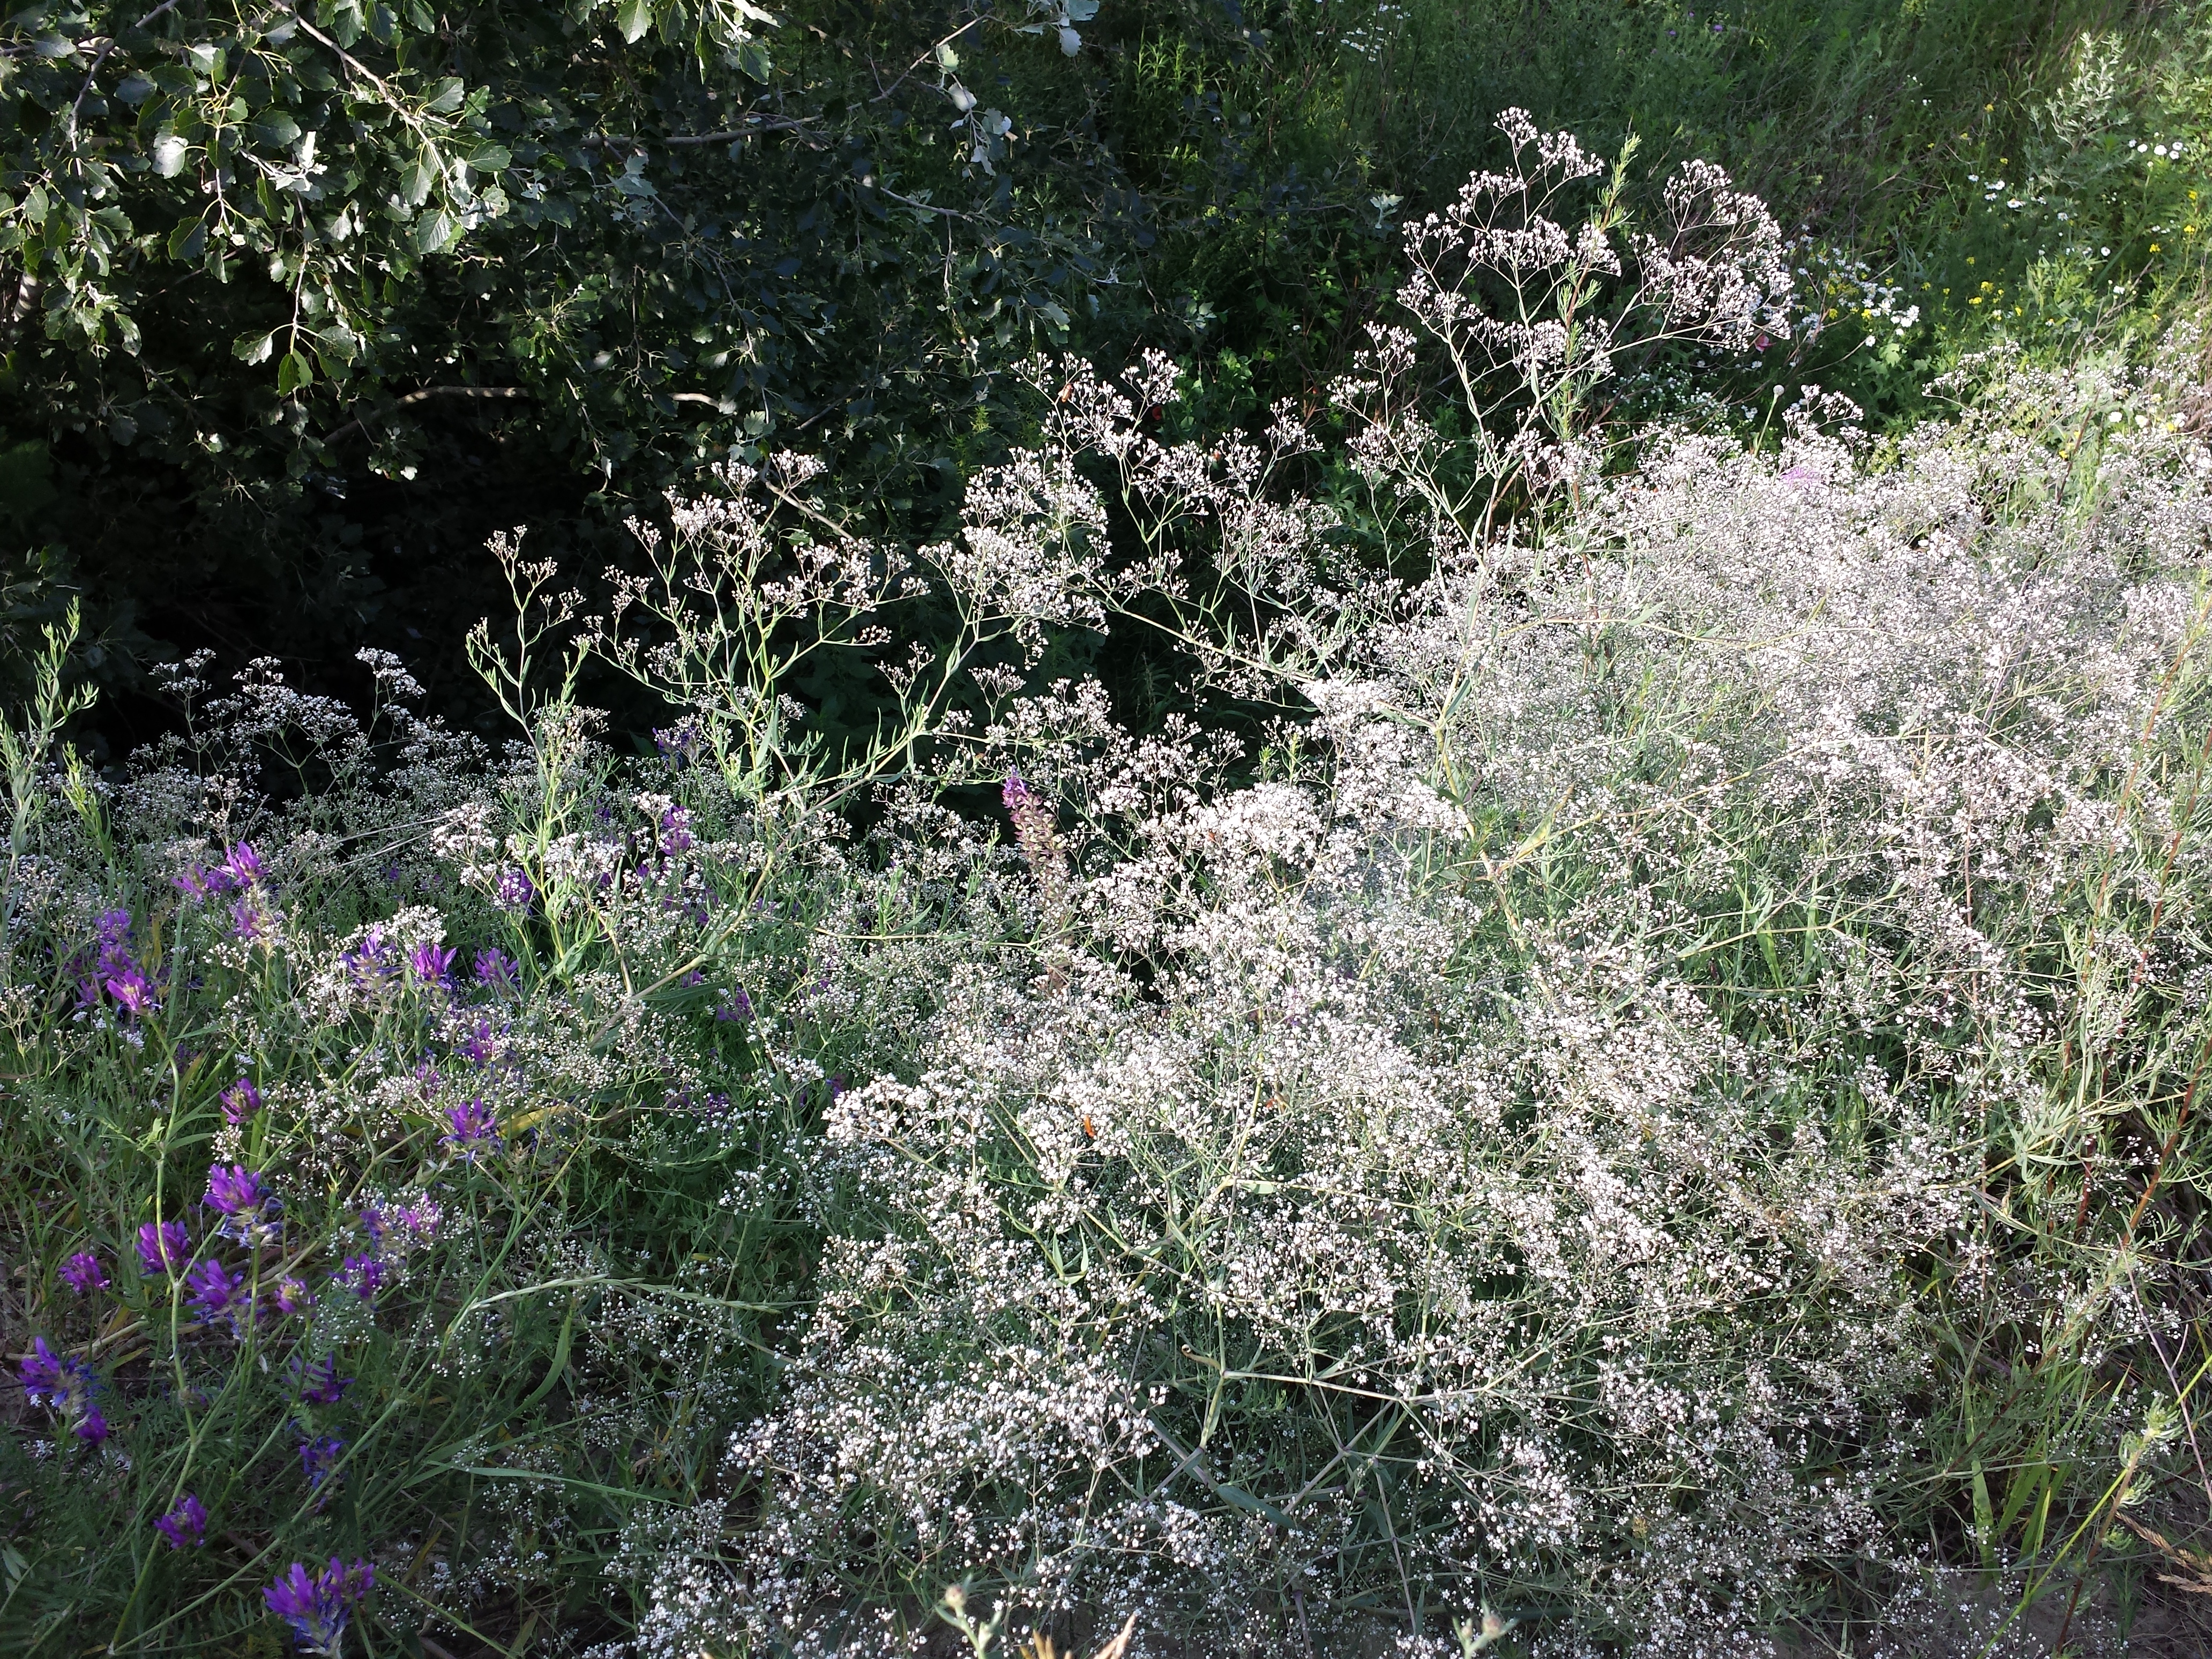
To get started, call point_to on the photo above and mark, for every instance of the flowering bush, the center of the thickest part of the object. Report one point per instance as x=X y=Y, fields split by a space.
x=1644 y=1101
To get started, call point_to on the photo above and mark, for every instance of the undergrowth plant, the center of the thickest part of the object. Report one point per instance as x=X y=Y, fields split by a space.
x=1629 y=1084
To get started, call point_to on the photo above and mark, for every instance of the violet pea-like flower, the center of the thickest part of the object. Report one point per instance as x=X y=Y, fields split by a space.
x=317 y=1605
x=185 y=1524
x=163 y=1247
x=81 y=1273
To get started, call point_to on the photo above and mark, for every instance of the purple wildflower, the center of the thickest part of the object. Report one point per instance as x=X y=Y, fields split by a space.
x=480 y=1047
x=249 y=1210
x=497 y=970
x=320 y=1383
x=432 y=965
x=214 y=1290
x=317 y=1605
x=373 y=961
x=513 y=889
x=185 y=1524
x=132 y=992
x=202 y=882
x=236 y=1190
x=163 y=1247
x=319 y=1457
x=81 y=1273
x=736 y=1008
x=63 y=1386
x=675 y=830
x=240 y=1102
x=473 y=1125
x=45 y=1376
x=243 y=865
x=292 y=1297
x=247 y=922
x=363 y=1275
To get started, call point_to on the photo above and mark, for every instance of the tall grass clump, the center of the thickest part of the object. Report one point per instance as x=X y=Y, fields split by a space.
x=1627 y=1084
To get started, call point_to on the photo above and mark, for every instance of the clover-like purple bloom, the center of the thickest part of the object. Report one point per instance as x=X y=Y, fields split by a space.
x=184 y=1527
x=320 y=1383
x=363 y=1275
x=432 y=965
x=64 y=1387
x=239 y=1101
x=164 y=1247
x=132 y=991
x=243 y=865
x=514 y=890
x=497 y=970
x=319 y=1459
x=81 y=1273
x=236 y=1190
x=215 y=1288
x=373 y=961
x=473 y=1126
x=250 y=1211
x=292 y=1296
x=200 y=882
x=317 y=1605
x=45 y=1374
x=248 y=921
x=675 y=830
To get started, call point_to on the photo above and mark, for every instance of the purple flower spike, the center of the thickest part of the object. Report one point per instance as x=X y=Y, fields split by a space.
x=81 y=1273
x=432 y=965
x=513 y=890
x=213 y=1289
x=240 y=1102
x=202 y=882
x=496 y=970
x=292 y=1297
x=163 y=1248
x=132 y=992
x=45 y=1375
x=247 y=922
x=320 y=1383
x=236 y=1190
x=63 y=1386
x=243 y=866
x=317 y=1605
x=184 y=1527
x=319 y=1458
x=362 y=1275
x=675 y=830
x=474 y=1125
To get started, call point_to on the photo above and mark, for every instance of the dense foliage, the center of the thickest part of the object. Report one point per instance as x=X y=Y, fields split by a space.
x=1364 y=881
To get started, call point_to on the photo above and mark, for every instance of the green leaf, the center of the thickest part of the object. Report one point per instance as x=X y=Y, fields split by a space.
x=253 y=348
x=278 y=129
x=634 y=18
x=294 y=373
x=421 y=179
x=169 y=154
x=434 y=232
x=446 y=97
x=490 y=158
x=188 y=240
